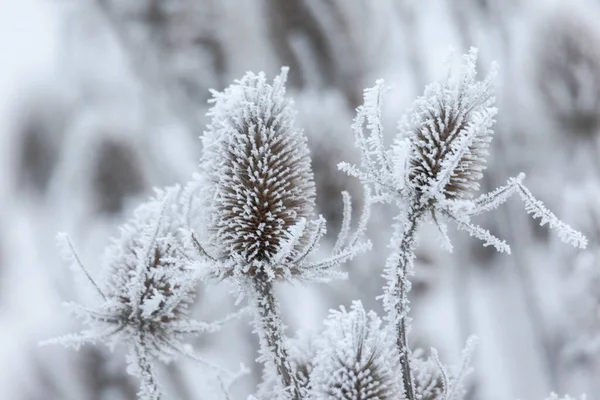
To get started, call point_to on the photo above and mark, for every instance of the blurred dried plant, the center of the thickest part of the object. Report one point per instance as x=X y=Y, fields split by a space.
x=568 y=68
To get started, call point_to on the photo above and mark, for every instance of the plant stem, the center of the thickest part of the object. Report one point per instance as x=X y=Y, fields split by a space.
x=149 y=389
x=406 y=255
x=269 y=327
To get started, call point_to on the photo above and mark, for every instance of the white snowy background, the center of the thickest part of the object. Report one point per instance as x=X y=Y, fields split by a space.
x=102 y=100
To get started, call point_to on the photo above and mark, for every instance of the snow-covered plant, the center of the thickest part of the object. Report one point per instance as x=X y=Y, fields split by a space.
x=432 y=380
x=256 y=198
x=355 y=358
x=303 y=352
x=432 y=171
x=428 y=377
x=145 y=298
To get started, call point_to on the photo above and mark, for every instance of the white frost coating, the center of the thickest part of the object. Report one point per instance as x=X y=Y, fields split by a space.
x=256 y=192
x=449 y=128
x=438 y=157
x=355 y=358
x=537 y=210
x=432 y=171
x=150 y=284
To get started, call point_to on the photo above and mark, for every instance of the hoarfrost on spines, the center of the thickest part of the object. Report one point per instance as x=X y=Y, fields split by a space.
x=355 y=358
x=257 y=190
x=149 y=286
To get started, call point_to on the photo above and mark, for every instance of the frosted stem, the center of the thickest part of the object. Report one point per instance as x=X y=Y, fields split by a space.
x=406 y=256
x=270 y=330
x=149 y=389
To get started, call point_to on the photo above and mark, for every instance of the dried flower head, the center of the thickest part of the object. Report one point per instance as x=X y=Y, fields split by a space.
x=257 y=191
x=438 y=158
x=302 y=354
x=428 y=378
x=433 y=381
x=258 y=167
x=449 y=133
x=147 y=293
x=356 y=359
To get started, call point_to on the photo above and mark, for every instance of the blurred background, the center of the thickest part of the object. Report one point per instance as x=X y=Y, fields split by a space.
x=101 y=100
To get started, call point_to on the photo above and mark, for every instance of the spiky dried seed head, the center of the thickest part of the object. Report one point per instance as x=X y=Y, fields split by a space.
x=428 y=379
x=149 y=286
x=449 y=133
x=259 y=179
x=147 y=276
x=356 y=360
x=302 y=351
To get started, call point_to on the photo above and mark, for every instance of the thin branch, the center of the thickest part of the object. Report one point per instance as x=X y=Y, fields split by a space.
x=347 y=219
x=64 y=237
x=201 y=249
x=314 y=241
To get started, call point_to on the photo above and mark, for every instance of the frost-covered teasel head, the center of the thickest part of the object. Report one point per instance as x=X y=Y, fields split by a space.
x=434 y=166
x=258 y=169
x=433 y=380
x=149 y=287
x=256 y=187
x=356 y=359
x=428 y=379
x=149 y=282
x=439 y=153
x=302 y=355
x=449 y=130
